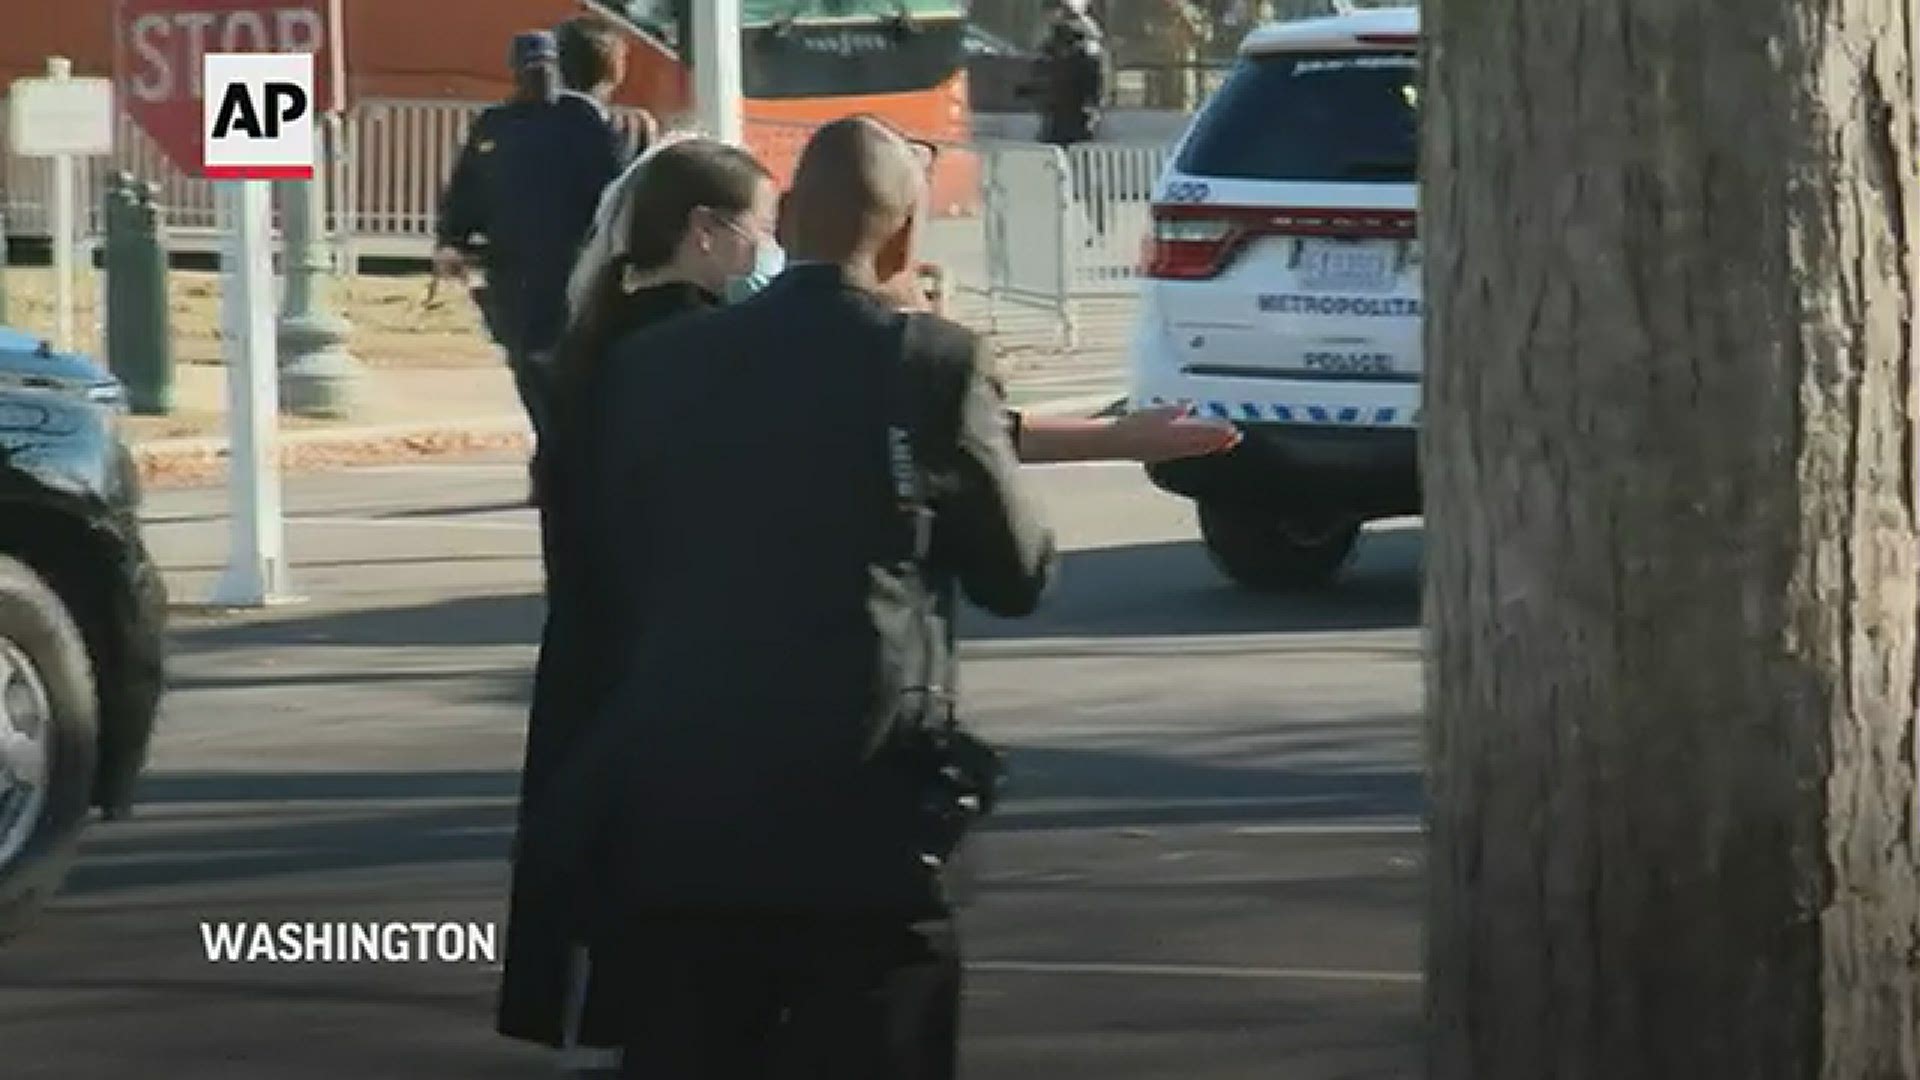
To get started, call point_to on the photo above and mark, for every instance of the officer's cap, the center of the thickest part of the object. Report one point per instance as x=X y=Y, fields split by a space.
x=533 y=47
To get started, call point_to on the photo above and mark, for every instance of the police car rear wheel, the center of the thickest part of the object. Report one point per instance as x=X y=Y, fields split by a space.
x=1274 y=553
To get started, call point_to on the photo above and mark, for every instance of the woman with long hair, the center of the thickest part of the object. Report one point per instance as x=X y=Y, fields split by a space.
x=690 y=220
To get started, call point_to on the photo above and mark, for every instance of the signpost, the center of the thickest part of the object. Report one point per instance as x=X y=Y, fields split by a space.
x=256 y=572
x=716 y=69
x=62 y=118
x=257 y=126
x=176 y=70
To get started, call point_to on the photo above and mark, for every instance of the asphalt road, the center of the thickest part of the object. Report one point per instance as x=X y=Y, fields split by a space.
x=1209 y=868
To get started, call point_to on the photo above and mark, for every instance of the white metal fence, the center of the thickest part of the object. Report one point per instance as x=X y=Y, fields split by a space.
x=390 y=161
x=1026 y=226
x=1065 y=227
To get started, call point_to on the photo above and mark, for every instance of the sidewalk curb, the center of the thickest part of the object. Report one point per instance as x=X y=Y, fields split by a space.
x=169 y=463
x=1083 y=406
x=198 y=462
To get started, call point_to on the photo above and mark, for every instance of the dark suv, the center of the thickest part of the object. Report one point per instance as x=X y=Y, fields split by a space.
x=82 y=613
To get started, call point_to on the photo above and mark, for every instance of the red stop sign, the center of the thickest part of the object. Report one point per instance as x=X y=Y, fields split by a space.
x=160 y=44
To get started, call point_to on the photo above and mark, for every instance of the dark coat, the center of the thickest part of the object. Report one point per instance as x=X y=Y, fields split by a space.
x=522 y=196
x=1071 y=80
x=570 y=679
x=746 y=551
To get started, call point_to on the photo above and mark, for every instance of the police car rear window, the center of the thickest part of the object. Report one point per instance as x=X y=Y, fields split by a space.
x=1340 y=116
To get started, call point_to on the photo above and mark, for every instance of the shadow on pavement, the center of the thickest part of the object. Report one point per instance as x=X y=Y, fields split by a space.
x=1171 y=589
x=270 y=828
x=270 y=787
x=1142 y=590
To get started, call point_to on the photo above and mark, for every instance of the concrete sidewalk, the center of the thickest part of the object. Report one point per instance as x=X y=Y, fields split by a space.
x=407 y=413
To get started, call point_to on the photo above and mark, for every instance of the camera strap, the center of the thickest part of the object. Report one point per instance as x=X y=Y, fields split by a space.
x=911 y=495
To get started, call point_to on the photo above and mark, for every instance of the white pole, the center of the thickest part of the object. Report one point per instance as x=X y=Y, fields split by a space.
x=256 y=573
x=716 y=69
x=63 y=241
x=60 y=69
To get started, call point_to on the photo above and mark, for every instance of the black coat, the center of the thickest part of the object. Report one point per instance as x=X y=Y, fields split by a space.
x=1072 y=82
x=744 y=548
x=570 y=679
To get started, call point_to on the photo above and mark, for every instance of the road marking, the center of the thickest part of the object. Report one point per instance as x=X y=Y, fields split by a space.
x=1194 y=971
x=1356 y=828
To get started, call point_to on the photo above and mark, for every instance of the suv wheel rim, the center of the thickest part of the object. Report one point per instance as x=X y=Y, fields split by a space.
x=26 y=731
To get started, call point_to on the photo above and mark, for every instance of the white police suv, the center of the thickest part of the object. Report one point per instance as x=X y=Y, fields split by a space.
x=1282 y=291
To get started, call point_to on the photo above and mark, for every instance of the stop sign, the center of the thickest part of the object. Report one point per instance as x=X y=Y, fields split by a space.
x=160 y=46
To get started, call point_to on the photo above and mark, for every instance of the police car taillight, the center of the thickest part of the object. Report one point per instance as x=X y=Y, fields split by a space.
x=1188 y=249
x=1196 y=242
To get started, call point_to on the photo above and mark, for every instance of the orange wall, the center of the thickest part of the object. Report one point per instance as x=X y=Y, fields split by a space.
x=32 y=30
x=457 y=50
x=447 y=49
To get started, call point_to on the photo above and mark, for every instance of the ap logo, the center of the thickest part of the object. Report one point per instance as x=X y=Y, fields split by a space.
x=258 y=116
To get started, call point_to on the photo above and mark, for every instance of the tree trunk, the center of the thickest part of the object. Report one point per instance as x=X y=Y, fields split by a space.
x=1674 y=553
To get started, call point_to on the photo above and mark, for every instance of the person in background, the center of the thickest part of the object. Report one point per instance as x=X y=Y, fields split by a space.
x=593 y=62
x=592 y=57
x=521 y=198
x=1071 y=76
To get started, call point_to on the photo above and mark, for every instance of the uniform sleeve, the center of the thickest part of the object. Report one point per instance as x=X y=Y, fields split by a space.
x=990 y=528
x=463 y=204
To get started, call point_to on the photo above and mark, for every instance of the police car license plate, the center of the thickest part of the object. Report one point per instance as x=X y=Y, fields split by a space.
x=1346 y=265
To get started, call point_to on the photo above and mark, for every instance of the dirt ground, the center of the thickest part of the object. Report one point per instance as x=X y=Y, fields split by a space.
x=393 y=323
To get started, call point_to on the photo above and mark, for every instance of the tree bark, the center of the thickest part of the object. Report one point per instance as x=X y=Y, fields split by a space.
x=1673 y=546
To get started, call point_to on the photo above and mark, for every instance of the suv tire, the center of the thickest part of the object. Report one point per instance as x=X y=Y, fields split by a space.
x=45 y=670
x=1269 y=552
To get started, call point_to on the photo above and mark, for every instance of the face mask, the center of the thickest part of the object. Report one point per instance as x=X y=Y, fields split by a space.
x=768 y=260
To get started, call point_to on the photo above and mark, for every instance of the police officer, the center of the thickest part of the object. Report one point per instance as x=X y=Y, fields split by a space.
x=520 y=202
x=1071 y=74
x=1071 y=86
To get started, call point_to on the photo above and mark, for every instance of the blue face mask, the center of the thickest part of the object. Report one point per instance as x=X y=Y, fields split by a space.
x=768 y=261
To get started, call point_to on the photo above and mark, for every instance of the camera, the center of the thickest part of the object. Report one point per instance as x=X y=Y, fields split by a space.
x=960 y=777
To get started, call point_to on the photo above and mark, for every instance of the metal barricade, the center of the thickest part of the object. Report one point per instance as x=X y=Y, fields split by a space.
x=1065 y=226
x=1028 y=198
x=1112 y=194
x=399 y=157
x=390 y=161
